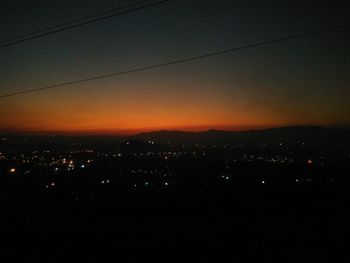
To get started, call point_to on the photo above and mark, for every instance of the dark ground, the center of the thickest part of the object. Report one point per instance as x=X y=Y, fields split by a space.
x=263 y=223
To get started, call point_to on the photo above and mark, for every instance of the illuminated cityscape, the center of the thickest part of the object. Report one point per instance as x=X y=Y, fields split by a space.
x=132 y=165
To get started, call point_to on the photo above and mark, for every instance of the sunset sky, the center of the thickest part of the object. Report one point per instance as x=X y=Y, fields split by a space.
x=303 y=81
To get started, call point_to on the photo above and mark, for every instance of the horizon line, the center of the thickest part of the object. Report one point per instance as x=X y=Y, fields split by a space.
x=127 y=133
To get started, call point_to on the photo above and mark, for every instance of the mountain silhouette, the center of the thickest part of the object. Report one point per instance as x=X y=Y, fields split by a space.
x=309 y=133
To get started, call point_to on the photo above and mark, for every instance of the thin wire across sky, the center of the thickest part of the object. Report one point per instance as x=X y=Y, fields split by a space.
x=129 y=8
x=180 y=61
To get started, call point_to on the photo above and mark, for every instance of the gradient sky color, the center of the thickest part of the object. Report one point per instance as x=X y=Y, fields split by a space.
x=298 y=82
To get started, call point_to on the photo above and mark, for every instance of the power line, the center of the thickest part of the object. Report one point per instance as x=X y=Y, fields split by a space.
x=79 y=22
x=183 y=60
x=72 y=21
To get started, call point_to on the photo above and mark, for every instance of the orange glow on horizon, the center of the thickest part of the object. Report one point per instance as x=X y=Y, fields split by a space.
x=143 y=108
x=121 y=122
x=131 y=117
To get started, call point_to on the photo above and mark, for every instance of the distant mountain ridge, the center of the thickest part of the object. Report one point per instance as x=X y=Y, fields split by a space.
x=212 y=136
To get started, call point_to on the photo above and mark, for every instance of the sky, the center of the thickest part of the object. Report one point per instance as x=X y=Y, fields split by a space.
x=303 y=81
